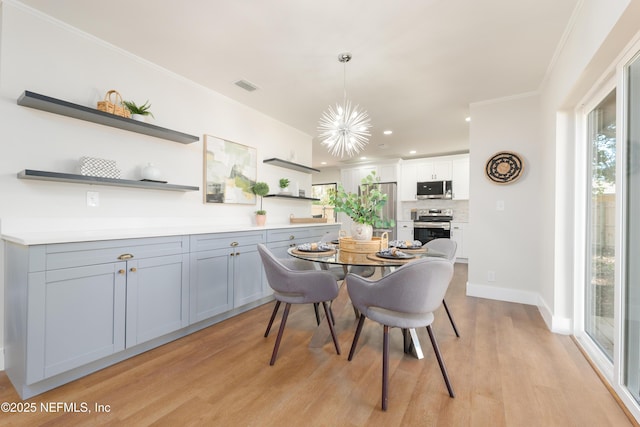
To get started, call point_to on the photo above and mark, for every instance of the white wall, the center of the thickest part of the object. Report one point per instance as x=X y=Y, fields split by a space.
x=506 y=242
x=327 y=176
x=45 y=56
x=541 y=225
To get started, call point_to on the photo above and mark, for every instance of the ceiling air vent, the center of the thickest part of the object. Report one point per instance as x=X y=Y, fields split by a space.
x=248 y=86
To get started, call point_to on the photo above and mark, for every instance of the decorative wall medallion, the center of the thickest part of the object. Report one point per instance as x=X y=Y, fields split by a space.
x=504 y=167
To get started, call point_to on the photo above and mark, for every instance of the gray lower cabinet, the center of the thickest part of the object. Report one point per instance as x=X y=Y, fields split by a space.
x=74 y=308
x=75 y=316
x=72 y=304
x=225 y=272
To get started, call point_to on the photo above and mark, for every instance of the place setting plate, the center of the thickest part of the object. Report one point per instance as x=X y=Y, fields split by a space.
x=314 y=248
x=391 y=254
x=408 y=245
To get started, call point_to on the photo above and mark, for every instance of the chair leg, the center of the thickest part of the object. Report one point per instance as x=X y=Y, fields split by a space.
x=385 y=367
x=315 y=308
x=287 y=306
x=356 y=337
x=329 y=321
x=406 y=341
x=333 y=319
x=440 y=361
x=455 y=329
x=273 y=316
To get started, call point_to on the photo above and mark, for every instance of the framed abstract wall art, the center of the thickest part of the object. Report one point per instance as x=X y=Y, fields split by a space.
x=230 y=169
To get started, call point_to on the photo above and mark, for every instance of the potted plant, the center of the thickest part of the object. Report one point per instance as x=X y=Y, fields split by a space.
x=284 y=184
x=363 y=208
x=139 y=112
x=260 y=189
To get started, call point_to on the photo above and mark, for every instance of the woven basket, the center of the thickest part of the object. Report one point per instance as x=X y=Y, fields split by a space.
x=112 y=104
x=348 y=244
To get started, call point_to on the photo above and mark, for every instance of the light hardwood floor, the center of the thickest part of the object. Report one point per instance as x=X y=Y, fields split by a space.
x=507 y=369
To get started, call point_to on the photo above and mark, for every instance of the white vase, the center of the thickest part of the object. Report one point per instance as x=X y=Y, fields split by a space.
x=361 y=231
x=139 y=117
x=151 y=173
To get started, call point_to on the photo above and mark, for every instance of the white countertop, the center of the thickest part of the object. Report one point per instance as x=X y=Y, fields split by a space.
x=66 y=236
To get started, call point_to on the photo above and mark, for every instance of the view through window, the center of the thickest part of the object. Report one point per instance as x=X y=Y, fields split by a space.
x=599 y=298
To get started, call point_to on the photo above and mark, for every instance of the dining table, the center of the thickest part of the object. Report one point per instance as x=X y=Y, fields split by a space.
x=383 y=262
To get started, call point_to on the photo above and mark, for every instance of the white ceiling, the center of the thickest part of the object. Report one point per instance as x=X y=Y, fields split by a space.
x=416 y=67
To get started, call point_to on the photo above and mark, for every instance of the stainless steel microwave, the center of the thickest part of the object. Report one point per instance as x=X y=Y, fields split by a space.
x=434 y=190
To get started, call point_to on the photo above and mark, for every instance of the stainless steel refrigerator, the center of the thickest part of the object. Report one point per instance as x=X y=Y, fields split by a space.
x=389 y=209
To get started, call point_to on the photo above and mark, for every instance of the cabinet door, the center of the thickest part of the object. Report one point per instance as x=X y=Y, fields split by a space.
x=457 y=235
x=442 y=170
x=460 y=178
x=210 y=285
x=75 y=316
x=157 y=297
x=350 y=180
x=434 y=170
x=405 y=230
x=408 y=181
x=247 y=276
x=388 y=173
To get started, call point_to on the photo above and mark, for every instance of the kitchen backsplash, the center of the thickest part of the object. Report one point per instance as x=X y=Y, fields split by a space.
x=460 y=208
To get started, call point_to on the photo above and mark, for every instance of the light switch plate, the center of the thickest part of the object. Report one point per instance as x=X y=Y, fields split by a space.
x=93 y=199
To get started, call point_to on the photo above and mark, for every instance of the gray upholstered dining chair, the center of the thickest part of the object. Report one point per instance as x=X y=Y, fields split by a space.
x=295 y=286
x=405 y=298
x=447 y=247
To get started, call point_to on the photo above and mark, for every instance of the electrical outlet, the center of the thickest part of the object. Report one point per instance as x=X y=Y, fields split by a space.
x=93 y=199
x=491 y=276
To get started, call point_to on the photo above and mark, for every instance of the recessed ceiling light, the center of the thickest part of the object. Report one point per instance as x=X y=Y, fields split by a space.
x=388 y=132
x=412 y=152
x=363 y=158
x=468 y=119
x=323 y=163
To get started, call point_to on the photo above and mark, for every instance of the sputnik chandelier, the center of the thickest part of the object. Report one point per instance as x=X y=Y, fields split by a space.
x=344 y=130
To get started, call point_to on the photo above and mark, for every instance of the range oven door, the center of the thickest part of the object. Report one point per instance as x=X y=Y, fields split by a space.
x=427 y=231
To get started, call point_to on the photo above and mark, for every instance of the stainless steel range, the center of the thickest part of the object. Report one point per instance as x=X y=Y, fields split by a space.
x=429 y=224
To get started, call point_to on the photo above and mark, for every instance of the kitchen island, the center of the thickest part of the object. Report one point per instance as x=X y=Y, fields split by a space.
x=80 y=300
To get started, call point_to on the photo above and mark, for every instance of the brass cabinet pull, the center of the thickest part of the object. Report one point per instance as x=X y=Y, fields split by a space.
x=232 y=254
x=292 y=245
x=234 y=244
x=121 y=271
x=237 y=253
x=292 y=237
x=125 y=256
x=133 y=269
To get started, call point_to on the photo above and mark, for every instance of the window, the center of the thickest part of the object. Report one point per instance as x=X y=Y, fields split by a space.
x=601 y=232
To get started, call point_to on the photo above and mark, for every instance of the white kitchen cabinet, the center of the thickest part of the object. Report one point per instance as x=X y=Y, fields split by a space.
x=351 y=178
x=457 y=235
x=405 y=230
x=388 y=172
x=73 y=304
x=460 y=178
x=408 y=181
x=434 y=169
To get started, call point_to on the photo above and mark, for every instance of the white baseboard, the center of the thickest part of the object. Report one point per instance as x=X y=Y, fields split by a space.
x=502 y=294
x=556 y=324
